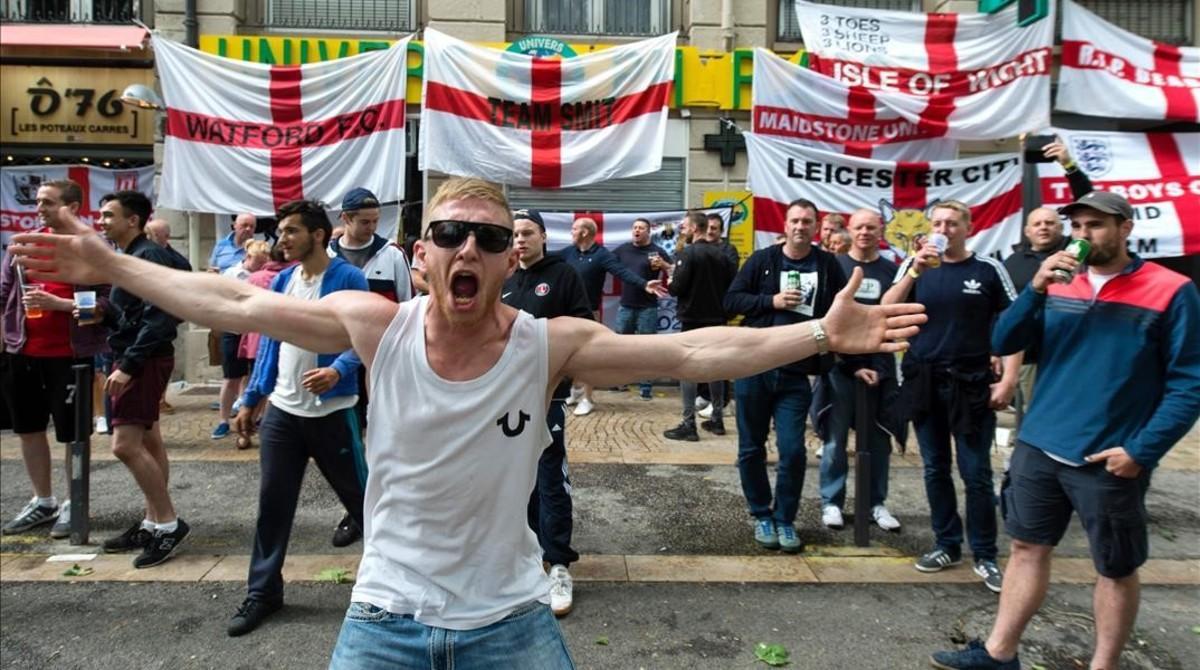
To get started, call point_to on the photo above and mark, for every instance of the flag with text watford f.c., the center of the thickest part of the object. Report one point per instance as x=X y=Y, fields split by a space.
x=545 y=122
x=1110 y=72
x=904 y=193
x=247 y=137
x=800 y=104
x=974 y=76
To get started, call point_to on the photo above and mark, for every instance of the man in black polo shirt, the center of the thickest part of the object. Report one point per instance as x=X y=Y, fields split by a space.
x=948 y=385
x=546 y=286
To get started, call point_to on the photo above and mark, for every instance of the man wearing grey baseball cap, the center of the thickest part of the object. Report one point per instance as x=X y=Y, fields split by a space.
x=1118 y=385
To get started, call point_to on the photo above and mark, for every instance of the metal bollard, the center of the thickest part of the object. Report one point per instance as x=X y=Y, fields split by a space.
x=863 y=417
x=80 y=453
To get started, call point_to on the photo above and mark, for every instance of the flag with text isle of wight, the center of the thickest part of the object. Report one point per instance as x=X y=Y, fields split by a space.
x=545 y=122
x=247 y=137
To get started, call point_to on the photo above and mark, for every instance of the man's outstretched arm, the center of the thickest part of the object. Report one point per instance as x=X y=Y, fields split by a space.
x=590 y=352
x=203 y=298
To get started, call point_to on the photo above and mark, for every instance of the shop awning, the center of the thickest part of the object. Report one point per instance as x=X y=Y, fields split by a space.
x=77 y=36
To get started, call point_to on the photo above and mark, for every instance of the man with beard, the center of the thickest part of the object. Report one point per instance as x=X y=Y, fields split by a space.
x=450 y=568
x=1119 y=385
x=638 y=312
x=546 y=286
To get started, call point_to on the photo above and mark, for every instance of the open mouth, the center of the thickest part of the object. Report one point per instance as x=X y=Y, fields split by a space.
x=464 y=286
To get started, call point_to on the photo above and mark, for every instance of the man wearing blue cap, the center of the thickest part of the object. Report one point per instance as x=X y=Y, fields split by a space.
x=387 y=272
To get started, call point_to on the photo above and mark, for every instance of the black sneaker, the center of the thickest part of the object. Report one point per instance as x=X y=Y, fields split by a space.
x=937 y=560
x=715 y=427
x=347 y=532
x=134 y=538
x=162 y=545
x=250 y=615
x=684 y=431
x=31 y=516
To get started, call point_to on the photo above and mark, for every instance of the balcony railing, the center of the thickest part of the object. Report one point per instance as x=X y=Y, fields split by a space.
x=71 y=11
x=391 y=16
x=596 y=17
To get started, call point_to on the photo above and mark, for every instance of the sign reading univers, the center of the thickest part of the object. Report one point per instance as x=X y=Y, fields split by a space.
x=46 y=104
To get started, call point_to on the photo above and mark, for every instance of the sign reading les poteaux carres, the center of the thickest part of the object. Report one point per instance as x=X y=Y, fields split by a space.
x=68 y=105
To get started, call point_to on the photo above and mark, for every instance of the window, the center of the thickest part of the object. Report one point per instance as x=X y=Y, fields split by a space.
x=72 y=11
x=789 y=27
x=376 y=15
x=607 y=17
x=1163 y=20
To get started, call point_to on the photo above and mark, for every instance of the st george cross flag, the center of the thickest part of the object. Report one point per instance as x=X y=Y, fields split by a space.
x=247 y=137
x=981 y=75
x=903 y=193
x=19 y=185
x=545 y=122
x=1108 y=71
x=804 y=105
x=1158 y=172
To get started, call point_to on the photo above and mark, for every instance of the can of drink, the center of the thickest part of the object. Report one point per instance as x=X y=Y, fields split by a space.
x=791 y=280
x=941 y=242
x=1079 y=250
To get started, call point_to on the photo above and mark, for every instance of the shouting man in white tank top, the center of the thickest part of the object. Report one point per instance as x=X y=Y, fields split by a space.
x=451 y=572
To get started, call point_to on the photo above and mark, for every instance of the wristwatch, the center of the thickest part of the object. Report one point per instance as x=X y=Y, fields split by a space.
x=819 y=336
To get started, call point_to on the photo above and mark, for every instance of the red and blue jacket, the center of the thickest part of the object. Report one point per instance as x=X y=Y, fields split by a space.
x=1121 y=369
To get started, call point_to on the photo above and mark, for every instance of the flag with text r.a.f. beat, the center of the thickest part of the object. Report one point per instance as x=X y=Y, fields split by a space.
x=974 y=76
x=247 y=137
x=903 y=193
x=1110 y=72
x=545 y=122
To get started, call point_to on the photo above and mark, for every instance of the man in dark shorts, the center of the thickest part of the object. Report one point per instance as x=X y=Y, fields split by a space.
x=142 y=339
x=1118 y=385
x=36 y=368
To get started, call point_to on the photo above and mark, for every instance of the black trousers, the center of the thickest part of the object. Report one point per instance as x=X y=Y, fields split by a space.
x=288 y=441
x=550 y=508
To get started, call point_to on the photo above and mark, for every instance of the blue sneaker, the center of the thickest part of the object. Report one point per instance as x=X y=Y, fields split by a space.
x=789 y=542
x=646 y=394
x=764 y=534
x=974 y=657
x=220 y=431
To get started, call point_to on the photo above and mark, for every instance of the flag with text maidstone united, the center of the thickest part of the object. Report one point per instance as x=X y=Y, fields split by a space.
x=796 y=103
x=247 y=137
x=975 y=76
x=1159 y=173
x=1110 y=72
x=545 y=122
x=903 y=193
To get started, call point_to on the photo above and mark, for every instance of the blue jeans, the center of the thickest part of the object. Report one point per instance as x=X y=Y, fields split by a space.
x=373 y=638
x=833 y=456
x=785 y=396
x=974 y=467
x=640 y=321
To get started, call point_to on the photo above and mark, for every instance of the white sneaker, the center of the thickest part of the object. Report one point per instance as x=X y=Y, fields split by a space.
x=831 y=516
x=701 y=403
x=561 y=590
x=576 y=395
x=705 y=413
x=884 y=518
x=584 y=409
x=62 y=526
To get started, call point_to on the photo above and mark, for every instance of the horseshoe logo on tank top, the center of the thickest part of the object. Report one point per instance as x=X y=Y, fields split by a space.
x=522 y=417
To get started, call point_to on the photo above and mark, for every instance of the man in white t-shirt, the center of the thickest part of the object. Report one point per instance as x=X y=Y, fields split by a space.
x=460 y=456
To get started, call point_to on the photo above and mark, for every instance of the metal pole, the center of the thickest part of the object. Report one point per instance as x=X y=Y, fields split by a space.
x=862 y=464
x=80 y=453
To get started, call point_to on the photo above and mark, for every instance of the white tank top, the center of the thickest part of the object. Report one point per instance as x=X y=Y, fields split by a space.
x=451 y=466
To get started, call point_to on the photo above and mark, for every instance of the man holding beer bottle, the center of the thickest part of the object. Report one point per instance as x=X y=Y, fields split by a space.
x=949 y=386
x=1118 y=386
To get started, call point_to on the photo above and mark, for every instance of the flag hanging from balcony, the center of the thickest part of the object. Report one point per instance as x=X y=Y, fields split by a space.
x=247 y=137
x=973 y=76
x=1110 y=72
x=545 y=122
x=795 y=103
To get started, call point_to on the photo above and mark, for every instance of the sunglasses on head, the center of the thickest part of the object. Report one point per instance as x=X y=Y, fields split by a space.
x=450 y=234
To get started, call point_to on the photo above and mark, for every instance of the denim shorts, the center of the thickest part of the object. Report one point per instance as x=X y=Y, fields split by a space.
x=1039 y=494
x=373 y=638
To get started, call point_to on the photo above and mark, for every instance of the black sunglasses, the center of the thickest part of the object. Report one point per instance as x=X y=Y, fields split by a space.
x=450 y=234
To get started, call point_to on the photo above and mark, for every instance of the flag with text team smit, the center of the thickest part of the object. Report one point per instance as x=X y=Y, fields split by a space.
x=247 y=137
x=545 y=122
x=1110 y=72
